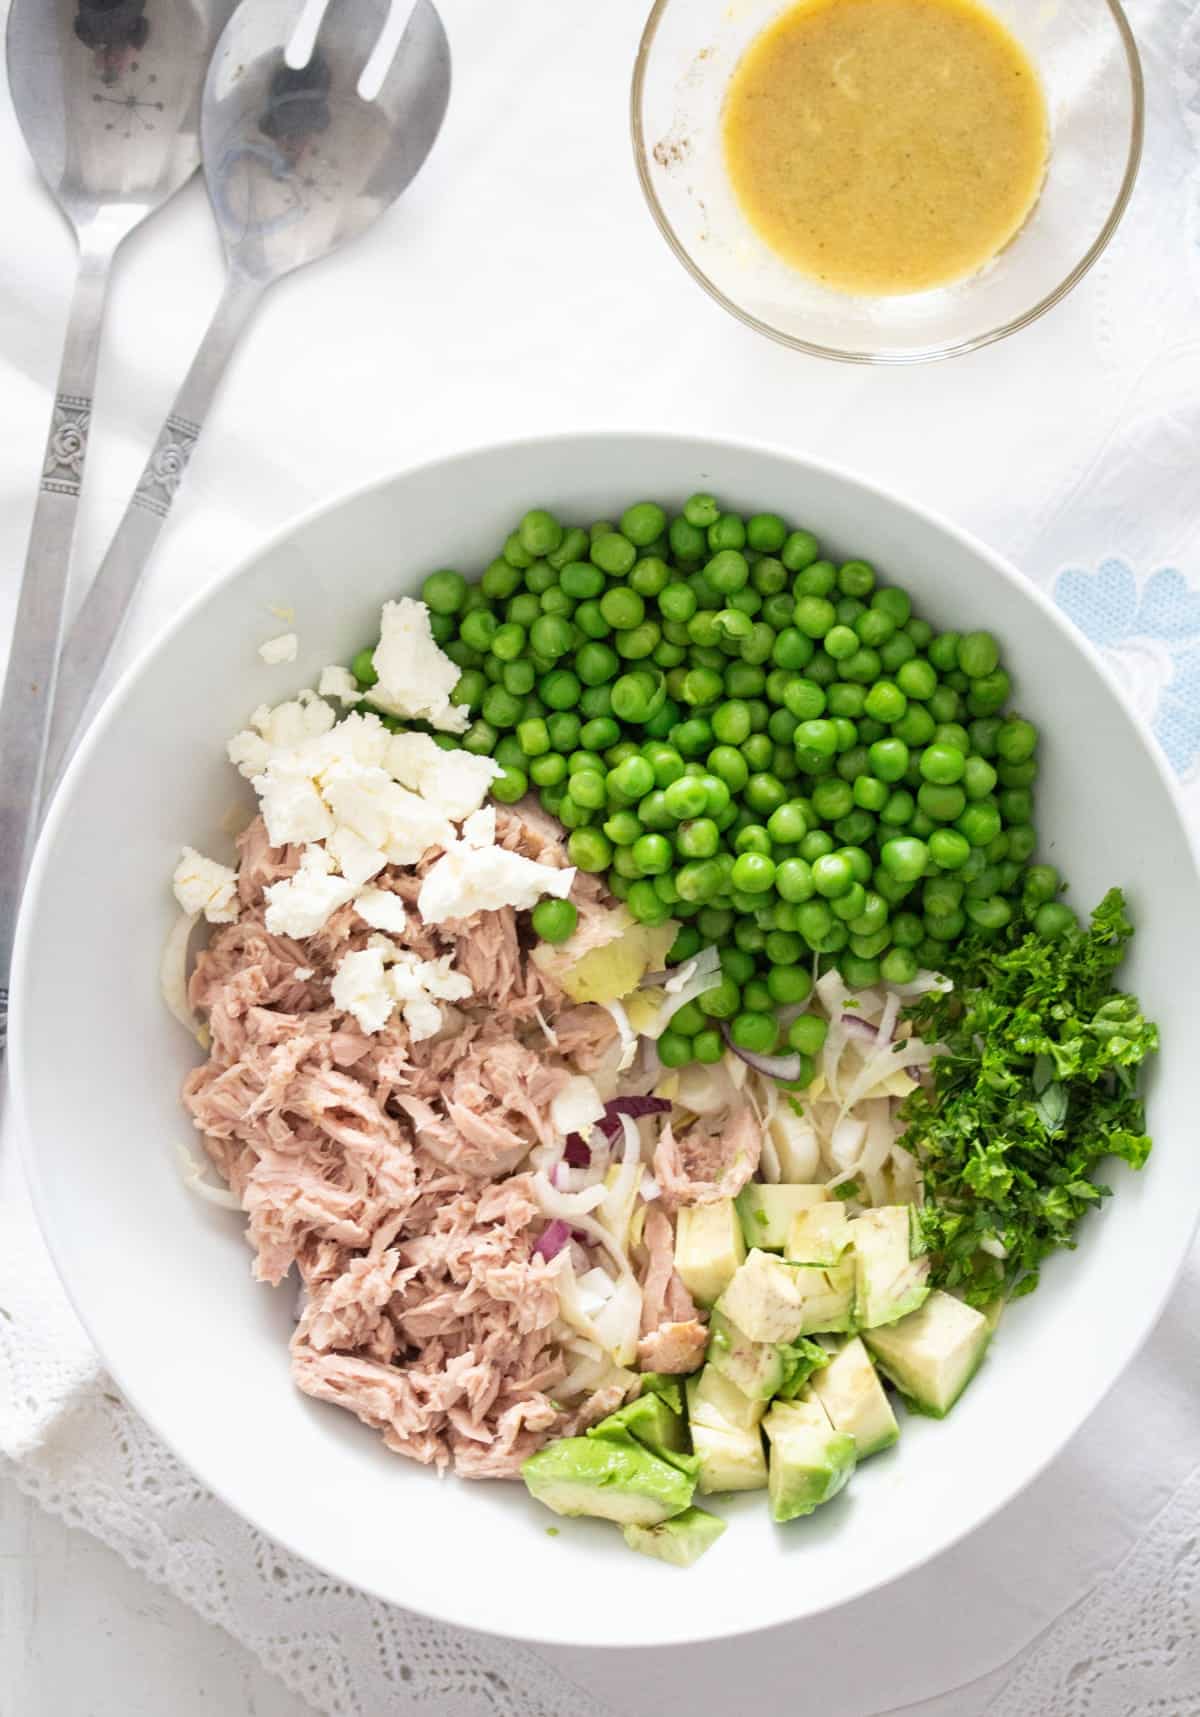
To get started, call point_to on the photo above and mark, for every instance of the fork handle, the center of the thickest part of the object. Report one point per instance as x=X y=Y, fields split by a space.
x=29 y=683
x=102 y=615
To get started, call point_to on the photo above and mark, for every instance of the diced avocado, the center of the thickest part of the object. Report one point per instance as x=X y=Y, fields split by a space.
x=826 y=1296
x=933 y=1353
x=612 y=1478
x=801 y=1358
x=810 y=1461
x=819 y=1235
x=681 y=1540
x=666 y=1384
x=776 y=1302
x=766 y=1212
x=853 y=1397
x=763 y=1299
x=891 y=1278
x=713 y=1400
x=651 y=1421
x=708 y=1248
x=729 y=1459
x=755 y=1367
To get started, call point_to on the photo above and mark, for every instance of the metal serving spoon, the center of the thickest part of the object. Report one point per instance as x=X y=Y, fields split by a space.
x=108 y=98
x=297 y=162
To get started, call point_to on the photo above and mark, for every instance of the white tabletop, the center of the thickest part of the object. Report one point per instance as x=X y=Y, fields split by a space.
x=521 y=288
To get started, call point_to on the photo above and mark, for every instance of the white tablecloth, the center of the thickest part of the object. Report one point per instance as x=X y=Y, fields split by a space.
x=520 y=287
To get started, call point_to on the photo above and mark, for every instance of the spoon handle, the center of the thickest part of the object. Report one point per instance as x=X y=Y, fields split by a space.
x=102 y=615
x=29 y=684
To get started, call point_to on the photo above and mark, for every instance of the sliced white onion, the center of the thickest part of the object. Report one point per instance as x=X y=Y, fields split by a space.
x=628 y=1037
x=192 y=1172
x=573 y=1207
x=887 y=1019
x=846 y=1144
x=173 y=976
x=577 y=1107
x=705 y=1088
x=617 y=1207
x=770 y=1066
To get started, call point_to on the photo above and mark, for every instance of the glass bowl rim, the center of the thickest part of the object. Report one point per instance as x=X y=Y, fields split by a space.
x=929 y=354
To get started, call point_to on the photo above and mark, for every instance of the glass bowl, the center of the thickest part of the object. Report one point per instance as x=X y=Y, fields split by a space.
x=1088 y=61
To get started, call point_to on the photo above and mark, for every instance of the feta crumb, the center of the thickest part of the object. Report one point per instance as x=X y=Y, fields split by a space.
x=416 y=982
x=357 y=860
x=285 y=648
x=285 y=728
x=457 y=782
x=360 y=986
x=381 y=909
x=415 y=676
x=291 y=807
x=302 y=904
x=469 y=879
x=479 y=830
x=203 y=885
x=338 y=682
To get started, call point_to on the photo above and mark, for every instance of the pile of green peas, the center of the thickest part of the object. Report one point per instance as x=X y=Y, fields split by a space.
x=740 y=734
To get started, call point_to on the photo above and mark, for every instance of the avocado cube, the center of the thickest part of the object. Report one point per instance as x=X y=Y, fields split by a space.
x=756 y=1368
x=810 y=1461
x=708 y=1248
x=826 y=1295
x=608 y=1477
x=713 y=1400
x=891 y=1278
x=854 y=1399
x=729 y=1459
x=819 y=1235
x=933 y=1353
x=763 y=1299
x=666 y=1384
x=650 y=1421
x=766 y=1212
x=681 y=1540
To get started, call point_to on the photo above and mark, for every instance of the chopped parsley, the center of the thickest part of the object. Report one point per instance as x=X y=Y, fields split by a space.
x=1038 y=1086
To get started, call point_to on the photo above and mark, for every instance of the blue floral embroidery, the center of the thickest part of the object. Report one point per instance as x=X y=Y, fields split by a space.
x=1161 y=622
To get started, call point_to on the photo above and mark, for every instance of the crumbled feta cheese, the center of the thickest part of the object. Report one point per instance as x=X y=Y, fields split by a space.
x=288 y=725
x=479 y=830
x=381 y=909
x=416 y=982
x=338 y=682
x=291 y=807
x=302 y=904
x=357 y=860
x=357 y=738
x=361 y=987
x=456 y=781
x=381 y=977
x=469 y=879
x=415 y=676
x=203 y=885
x=285 y=648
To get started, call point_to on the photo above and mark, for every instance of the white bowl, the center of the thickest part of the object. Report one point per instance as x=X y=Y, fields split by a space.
x=163 y=1282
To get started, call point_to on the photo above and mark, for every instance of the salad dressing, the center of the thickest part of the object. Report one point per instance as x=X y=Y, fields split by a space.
x=886 y=146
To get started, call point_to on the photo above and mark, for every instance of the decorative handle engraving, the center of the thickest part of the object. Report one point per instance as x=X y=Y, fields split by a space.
x=66 y=449
x=166 y=466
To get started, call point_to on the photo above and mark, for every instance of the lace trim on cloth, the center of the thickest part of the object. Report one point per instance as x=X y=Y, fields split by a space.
x=69 y=1441
x=1131 y=1647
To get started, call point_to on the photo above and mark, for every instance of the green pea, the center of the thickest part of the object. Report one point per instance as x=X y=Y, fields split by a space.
x=727 y=763
x=728 y=571
x=814 y=616
x=979 y=777
x=1016 y=740
x=722 y=1001
x=898 y=966
x=595 y=663
x=889 y=759
x=653 y=853
x=500 y=581
x=874 y=628
x=698 y=838
x=917 y=679
x=1042 y=882
x=949 y=849
x=554 y=920
x=916 y=727
x=977 y=654
x=621 y=607
x=551 y=636
x=753 y=873
x=904 y=857
x=873 y=914
x=832 y=799
x=511 y=786
x=793 y=881
x=581 y=581
x=980 y=822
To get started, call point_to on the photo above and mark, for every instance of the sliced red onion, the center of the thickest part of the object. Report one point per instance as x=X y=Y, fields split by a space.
x=576 y=1154
x=633 y=1106
x=855 y=1027
x=552 y=1239
x=770 y=1066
